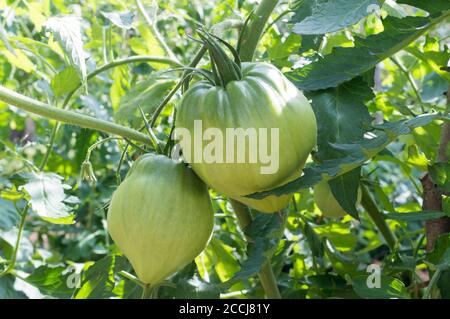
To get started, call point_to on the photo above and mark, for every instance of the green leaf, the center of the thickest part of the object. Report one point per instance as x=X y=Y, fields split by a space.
x=147 y=44
x=194 y=288
x=47 y=197
x=343 y=64
x=310 y=42
x=120 y=86
x=323 y=16
x=65 y=81
x=440 y=174
x=225 y=264
x=123 y=20
x=52 y=281
x=67 y=31
x=8 y=215
x=440 y=251
x=147 y=95
x=342 y=118
x=264 y=232
x=98 y=280
x=279 y=49
x=7 y=290
x=314 y=241
x=415 y=216
x=341 y=114
x=339 y=234
x=435 y=6
x=326 y=281
x=342 y=263
x=356 y=154
x=443 y=285
x=399 y=262
x=446 y=205
x=19 y=59
x=345 y=190
x=390 y=288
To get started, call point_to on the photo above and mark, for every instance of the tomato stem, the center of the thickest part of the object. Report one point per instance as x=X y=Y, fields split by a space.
x=12 y=263
x=70 y=117
x=152 y=24
x=266 y=276
x=216 y=29
x=377 y=217
x=255 y=28
x=147 y=292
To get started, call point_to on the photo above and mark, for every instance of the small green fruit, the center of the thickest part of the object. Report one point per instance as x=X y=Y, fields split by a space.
x=327 y=203
x=160 y=217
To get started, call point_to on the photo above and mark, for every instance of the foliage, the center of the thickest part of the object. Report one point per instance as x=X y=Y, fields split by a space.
x=376 y=73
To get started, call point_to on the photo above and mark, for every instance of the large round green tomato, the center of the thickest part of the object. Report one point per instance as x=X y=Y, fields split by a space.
x=327 y=203
x=263 y=99
x=160 y=217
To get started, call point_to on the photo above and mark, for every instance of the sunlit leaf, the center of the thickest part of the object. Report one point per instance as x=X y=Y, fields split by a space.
x=322 y=16
x=67 y=31
x=47 y=197
x=343 y=64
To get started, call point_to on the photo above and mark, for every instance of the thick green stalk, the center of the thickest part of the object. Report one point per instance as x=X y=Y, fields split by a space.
x=269 y=282
x=255 y=28
x=69 y=117
x=266 y=276
x=377 y=217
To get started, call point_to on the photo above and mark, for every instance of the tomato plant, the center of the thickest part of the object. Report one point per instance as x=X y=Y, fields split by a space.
x=336 y=109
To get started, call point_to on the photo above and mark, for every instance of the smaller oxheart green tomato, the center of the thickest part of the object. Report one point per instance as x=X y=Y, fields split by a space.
x=327 y=203
x=160 y=217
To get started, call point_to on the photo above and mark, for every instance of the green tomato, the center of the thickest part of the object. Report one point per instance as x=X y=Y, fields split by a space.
x=327 y=203
x=263 y=99
x=160 y=217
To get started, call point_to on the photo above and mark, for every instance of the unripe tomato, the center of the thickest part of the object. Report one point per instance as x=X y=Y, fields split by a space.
x=160 y=217
x=263 y=99
x=327 y=203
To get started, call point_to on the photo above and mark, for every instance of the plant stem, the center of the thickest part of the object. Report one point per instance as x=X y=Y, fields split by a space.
x=132 y=278
x=266 y=276
x=272 y=23
x=157 y=35
x=255 y=29
x=119 y=62
x=147 y=292
x=242 y=213
x=432 y=283
x=216 y=30
x=12 y=263
x=48 y=151
x=269 y=282
x=432 y=193
x=410 y=79
x=70 y=117
x=377 y=217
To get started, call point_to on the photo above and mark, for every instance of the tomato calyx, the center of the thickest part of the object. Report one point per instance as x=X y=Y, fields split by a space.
x=224 y=69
